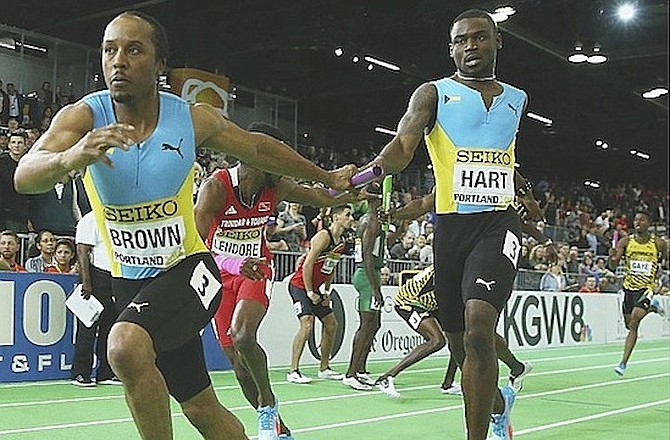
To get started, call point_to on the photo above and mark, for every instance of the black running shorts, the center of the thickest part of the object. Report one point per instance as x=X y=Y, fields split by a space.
x=476 y=257
x=173 y=307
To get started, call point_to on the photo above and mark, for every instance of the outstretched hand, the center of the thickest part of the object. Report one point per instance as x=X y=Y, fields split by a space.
x=94 y=145
x=340 y=178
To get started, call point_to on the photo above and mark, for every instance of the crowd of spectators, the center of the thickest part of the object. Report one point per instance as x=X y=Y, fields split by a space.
x=582 y=222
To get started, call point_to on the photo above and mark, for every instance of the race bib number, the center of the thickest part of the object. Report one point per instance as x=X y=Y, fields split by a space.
x=331 y=263
x=638 y=267
x=238 y=243
x=205 y=284
x=511 y=248
x=157 y=244
x=477 y=185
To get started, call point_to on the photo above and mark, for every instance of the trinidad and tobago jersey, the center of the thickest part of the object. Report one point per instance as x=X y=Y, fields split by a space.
x=324 y=265
x=239 y=230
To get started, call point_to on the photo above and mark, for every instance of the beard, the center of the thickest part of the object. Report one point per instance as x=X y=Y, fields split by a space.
x=121 y=97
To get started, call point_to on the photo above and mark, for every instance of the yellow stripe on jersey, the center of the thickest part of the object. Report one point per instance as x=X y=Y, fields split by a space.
x=641 y=264
x=418 y=292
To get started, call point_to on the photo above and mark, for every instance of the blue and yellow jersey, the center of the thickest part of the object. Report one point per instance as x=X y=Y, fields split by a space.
x=472 y=148
x=144 y=204
x=641 y=261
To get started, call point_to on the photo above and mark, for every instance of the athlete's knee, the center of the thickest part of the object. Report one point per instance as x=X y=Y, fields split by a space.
x=479 y=342
x=329 y=323
x=244 y=337
x=436 y=342
x=129 y=348
x=307 y=323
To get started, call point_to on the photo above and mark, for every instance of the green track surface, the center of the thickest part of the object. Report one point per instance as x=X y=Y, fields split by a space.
x=572 y=393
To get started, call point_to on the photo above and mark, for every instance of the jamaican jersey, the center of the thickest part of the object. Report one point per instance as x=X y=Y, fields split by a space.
x=418 y=292
x=641 y=262
x=472 y=148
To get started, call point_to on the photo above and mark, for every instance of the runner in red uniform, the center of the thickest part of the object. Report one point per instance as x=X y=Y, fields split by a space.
x=315 y=270
x=232 y=209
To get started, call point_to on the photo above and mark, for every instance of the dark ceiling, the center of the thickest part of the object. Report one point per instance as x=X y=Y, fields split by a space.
x=286 y=47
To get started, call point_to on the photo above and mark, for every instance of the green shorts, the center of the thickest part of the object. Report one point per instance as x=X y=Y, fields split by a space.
x=364 y=288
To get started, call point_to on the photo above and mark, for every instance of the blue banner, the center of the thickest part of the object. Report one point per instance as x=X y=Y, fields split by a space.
x=37 y=330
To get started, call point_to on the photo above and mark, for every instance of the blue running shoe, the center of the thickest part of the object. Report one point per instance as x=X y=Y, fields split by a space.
x=268 y=423
x=656 y=306
x=620 y=369
x=502 y=428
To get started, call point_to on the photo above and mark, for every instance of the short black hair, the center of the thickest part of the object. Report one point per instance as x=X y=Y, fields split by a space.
x=158 y=35
x=474 y=13
x=19 y=133
x=269 y=129
x=643 y=212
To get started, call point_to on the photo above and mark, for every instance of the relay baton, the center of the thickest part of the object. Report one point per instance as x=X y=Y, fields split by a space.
x=387 y=188
x=361 y=179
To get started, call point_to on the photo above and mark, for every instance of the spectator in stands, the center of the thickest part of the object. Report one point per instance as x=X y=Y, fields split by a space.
x=419 y=245
x=603 y=270
x=621 y=223
x=429 y=230
x=9 y=249
x=386 y=276
x=44 y=96
x=47 y=115
x=63 y=256
x=592 y=239
x=60 y=100
x=4 y=106
x=602 y=222
x=4 y=142
x=572 y=260
x=275 y=243
x=291 y=227
x=59 y=209
x=31 y=136
x=664 y=283
x=13 y=206
x=553 y=280
x=538 y=258
x=25 y=118
x=402 y=250
x=15 y=102
x=524 y=262
x=13 y=125
x=587 y=266
x=590 y=285
x=46 y=243
x=426 y=253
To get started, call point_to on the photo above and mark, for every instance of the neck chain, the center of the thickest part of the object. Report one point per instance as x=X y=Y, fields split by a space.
x=475 y=78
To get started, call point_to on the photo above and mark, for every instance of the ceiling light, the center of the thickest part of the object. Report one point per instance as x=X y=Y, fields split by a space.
x=339 y=51
x=655 y=93
x=382 y=63
x=502 y=13
x=597 y=59
x=626 y=12
x=540 y=118
x=599 y=142
x=370 y=66
x=578 y=58
x=605 y=146
x=385 y=131
x=355 y=59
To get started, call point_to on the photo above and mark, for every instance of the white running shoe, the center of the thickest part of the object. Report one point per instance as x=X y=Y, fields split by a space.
x=356 y=383
x=388 y=387
x=364 y=376
x=329 y=374
x=516 y=382
x=453 y=390
x=296 y=376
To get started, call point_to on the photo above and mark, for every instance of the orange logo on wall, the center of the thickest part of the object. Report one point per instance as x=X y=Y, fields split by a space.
x=195 y=85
